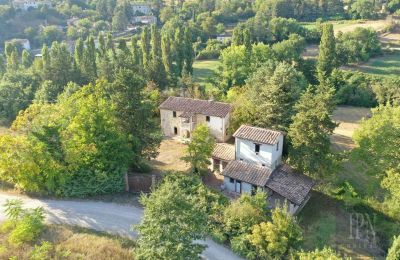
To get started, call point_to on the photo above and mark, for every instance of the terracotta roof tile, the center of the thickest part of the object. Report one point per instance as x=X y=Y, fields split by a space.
x=292 y=185
x=198 y=106
x=250 y=173
x=257 y=134
x=224 y=152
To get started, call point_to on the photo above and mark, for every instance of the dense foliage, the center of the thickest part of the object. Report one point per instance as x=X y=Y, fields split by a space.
x=174 y=217
x=199 y=149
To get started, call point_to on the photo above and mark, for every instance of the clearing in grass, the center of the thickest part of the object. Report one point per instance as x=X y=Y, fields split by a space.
x=386 y=65
x=204 y=70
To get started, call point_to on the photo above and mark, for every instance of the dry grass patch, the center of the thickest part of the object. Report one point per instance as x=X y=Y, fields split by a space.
x=71 y=243
x=169 y=157
x=348 y=119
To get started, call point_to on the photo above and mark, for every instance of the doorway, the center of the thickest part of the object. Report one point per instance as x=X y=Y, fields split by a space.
x=238 y=187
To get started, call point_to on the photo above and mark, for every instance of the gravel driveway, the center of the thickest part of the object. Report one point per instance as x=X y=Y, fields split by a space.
x=103 y=216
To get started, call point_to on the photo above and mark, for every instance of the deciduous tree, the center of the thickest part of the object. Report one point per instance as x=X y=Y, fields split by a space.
x=199 y=149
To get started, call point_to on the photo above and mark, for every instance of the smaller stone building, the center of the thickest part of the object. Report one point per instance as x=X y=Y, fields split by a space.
x=256 y=163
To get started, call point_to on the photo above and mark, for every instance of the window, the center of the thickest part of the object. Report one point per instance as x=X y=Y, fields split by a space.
x=173 y=113
x=231 y=180
x=175 y=130
x=207 y=118
x=257 y=148
x=277 y=146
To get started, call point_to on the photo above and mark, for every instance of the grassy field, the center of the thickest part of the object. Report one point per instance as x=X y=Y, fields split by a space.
x=71 y=243
x=348 y=119
x=386 y=65
x=350 y=25
x=204 y=69
x=326 y=218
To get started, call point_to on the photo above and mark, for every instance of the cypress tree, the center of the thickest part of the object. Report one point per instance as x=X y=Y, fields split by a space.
x=327 y=52
x=157 y=73
x=46 y=62
x=237 y=36
x=102 y=44
x=166 y=54
x=110 y=43
x=247 y=44
x=12 y=61
x=145 y=44
x=180 y=52
x=89 y=68
x=189 y=52
x=135 y=50
x=78 y=53
x=26 y=59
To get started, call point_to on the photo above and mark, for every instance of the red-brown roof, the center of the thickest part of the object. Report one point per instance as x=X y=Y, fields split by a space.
x=224 y=151
x=283 y=180
x=198 y=106
x=292 y=185
x=257 y=134
x=250 y=173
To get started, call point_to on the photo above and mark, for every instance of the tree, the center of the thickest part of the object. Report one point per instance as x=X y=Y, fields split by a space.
x=363 y=9
x=157 y=70
x=89 y=68
x=269 y=97
x=377 y=141
x=146 y=48
x=394 y=251
x=199 y=149
x=26 y=59
x=47 y=92
x=274 y=239
x=327 y=52
x=189 y=52
x=180 y=50
x=135 y=115
x=166 y=55
x=172 y=235
x=119 y=20
x=242 y=214
x=310 y=132
x=391 y=182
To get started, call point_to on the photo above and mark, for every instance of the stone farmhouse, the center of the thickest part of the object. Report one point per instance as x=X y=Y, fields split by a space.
x=141 y=8
x=30 y=4
x=180 y=116
x=255 y=162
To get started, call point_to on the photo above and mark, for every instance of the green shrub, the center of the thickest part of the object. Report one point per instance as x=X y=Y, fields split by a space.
x=28 y=228
x=42 y=252
x=326 y=253
x=218 y=235
x=394 y=251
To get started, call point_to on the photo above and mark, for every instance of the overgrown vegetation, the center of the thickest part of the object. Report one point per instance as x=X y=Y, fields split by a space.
x=25 y=236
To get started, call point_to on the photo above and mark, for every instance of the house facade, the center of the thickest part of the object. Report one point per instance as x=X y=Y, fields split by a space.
x=141 y=8
x=257 y=164
x=30 y=4
x=24 y=43
x=180 y=116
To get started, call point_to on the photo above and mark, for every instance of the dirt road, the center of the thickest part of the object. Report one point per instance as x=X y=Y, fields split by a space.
x=108 y=217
